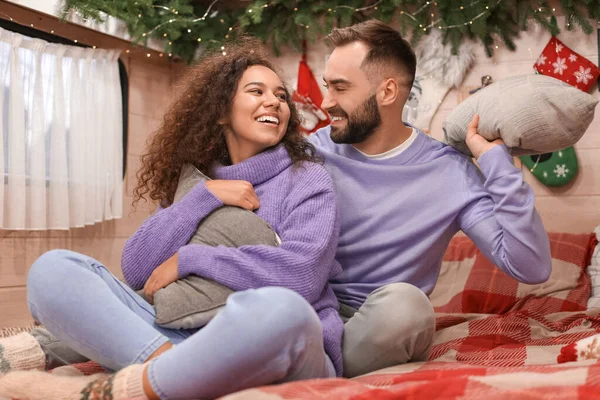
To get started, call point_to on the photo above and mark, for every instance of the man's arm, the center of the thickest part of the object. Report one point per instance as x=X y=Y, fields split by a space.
x=501 y=218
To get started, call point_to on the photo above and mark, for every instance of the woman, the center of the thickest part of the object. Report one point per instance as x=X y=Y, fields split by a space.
x=234 y=121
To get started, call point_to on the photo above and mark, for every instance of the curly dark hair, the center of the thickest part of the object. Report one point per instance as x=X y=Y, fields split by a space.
x=190 y=132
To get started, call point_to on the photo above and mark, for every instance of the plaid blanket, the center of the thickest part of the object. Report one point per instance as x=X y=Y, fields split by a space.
x=433 y=380
x=496 y=337
x=486 y=318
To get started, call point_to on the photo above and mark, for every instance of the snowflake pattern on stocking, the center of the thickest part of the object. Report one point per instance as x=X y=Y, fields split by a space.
x=561 y=170
x=541 y=60
x=560 y=65
x=559 y=61
x=583 y=75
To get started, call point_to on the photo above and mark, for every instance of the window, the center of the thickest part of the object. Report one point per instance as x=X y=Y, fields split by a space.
x=63 y=118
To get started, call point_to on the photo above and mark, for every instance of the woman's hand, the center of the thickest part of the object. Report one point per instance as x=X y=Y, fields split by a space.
x=234 y=193
x=161 y=277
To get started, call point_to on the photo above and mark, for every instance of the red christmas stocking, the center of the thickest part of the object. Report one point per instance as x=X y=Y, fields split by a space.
x=560 y=62
x=308 y=99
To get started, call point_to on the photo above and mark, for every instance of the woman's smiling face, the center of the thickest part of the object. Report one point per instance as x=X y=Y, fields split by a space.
x=259 y=113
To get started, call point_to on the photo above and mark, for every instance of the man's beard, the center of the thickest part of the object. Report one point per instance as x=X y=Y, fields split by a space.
x=360 y=125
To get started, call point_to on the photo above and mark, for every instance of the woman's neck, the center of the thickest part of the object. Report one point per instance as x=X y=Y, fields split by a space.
x=241 y=151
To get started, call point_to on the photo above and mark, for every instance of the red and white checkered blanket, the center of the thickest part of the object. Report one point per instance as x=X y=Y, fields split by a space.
x=487 y=318
x=496 y=337
x=433 y=380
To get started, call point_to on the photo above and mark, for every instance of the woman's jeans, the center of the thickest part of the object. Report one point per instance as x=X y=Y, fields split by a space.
x=261 y=336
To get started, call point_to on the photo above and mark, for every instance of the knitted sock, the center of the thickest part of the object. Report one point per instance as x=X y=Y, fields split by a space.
x=38 y=385
x=584 y=349
x=125 y=384
x=20 y=352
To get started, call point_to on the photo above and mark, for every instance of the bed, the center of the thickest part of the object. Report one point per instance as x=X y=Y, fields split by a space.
x=496 y=337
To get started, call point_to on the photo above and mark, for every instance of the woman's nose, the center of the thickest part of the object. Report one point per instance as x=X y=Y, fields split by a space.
x=271 y=100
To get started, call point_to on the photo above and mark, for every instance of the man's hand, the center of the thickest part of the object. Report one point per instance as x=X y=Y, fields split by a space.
x=161 y=277
x=477 y=143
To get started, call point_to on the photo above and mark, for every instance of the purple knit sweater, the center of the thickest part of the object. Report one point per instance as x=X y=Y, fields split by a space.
x=298 y=202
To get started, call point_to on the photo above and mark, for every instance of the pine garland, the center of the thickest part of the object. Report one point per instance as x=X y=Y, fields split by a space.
x=188 y=27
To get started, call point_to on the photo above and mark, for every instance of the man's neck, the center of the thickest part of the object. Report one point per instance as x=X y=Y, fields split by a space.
x=386 y=137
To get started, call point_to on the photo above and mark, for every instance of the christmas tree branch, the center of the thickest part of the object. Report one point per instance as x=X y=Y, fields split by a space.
x=187 y=28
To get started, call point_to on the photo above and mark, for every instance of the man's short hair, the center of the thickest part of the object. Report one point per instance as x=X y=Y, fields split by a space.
x=386 y=46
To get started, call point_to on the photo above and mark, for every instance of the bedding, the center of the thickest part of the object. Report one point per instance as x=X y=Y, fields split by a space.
x=495 y=339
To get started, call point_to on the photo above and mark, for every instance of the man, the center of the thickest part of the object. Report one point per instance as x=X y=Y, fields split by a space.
x=403 y=196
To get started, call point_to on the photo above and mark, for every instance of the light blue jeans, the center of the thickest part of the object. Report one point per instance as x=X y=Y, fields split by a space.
x=261 y=336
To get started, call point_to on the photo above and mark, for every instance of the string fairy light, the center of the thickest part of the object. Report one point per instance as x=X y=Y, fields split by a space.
x=434 y=23
x=369 y=7
x=470 y=22
x=461 y=8
x=189 y=21
x=174 y=11
x=76 y=41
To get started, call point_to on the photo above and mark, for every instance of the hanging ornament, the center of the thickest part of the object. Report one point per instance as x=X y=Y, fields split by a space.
x=308 y=98
x=486 y=80
x=438 y=70
x=553 y=169
x=560 y=62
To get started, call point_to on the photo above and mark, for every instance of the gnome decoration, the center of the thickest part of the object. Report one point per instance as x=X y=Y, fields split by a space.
x=438 y=70
x=308 y=99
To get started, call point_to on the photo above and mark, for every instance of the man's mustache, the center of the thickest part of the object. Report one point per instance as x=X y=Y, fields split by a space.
x=337 y=112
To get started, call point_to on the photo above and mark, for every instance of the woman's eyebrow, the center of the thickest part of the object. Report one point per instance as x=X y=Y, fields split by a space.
x=263 y=85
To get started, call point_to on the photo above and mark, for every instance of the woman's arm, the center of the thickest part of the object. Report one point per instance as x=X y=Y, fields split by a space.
x=303 y=262
x=162 y=234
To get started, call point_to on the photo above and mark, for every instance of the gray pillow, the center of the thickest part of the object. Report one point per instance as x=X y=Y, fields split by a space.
x=533 y=114
x=193 y=301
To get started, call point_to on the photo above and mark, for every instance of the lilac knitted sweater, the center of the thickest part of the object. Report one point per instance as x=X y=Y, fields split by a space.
x=298 y=202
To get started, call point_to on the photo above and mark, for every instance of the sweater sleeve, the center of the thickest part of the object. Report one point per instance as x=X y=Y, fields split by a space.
x=502 y=221
x=309 y=234
x=162 y=234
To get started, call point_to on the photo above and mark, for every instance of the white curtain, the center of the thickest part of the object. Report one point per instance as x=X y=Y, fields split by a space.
x=61 y=131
